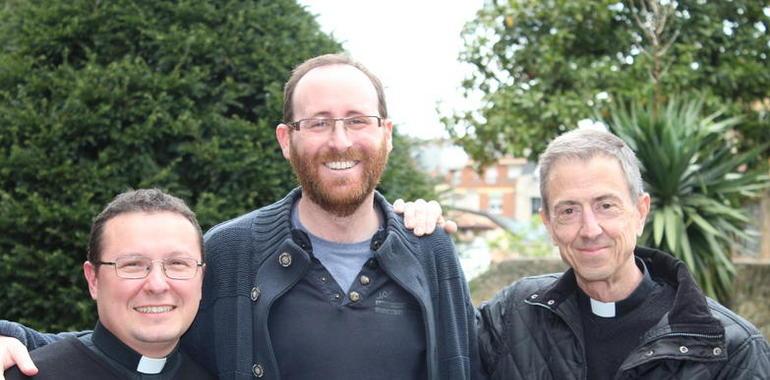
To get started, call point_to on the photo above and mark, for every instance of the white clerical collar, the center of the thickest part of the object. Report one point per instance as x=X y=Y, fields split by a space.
x=603 y=309
x=150 y=366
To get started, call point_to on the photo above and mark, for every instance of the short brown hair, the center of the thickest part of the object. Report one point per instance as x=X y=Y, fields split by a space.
x=328 y=60
x=142 y=200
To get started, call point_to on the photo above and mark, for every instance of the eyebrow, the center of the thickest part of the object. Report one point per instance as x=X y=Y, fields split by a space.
x=566 y=203
x=167 y=255
x=328 y=115
x=611 y=197
x=600 y=198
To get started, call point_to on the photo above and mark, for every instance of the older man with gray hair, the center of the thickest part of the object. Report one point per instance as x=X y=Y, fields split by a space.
x=621 y=311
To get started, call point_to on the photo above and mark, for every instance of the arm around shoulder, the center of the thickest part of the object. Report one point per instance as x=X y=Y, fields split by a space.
x=32 y=338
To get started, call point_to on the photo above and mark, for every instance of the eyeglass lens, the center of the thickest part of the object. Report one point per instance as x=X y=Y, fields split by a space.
x=140 y=267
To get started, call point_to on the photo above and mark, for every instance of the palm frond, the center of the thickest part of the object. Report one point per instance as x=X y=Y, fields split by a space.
x=697 y=181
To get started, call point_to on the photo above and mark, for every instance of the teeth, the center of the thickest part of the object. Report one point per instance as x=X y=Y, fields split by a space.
x=340 y=165
x=154 y=309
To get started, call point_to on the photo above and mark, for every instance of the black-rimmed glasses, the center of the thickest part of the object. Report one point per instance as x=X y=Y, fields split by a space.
x=326 y=124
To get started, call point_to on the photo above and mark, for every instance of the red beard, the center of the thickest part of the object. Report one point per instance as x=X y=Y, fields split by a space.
x=330 y=194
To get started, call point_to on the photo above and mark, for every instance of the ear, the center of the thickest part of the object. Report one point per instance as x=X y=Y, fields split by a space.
x=547 y=222
x=387 y=125
x=283 y=135
x=89 y=271
x=643 y=207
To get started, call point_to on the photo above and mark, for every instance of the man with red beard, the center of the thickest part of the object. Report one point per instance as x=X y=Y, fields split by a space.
x=328 y=283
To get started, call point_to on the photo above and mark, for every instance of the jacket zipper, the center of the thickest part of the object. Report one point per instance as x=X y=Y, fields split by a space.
x=709 y=336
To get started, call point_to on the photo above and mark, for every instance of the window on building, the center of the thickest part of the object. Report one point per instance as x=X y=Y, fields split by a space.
x=457 y=176
x=495 y=203
x=470 y=200
x=490 y=175
x=536 y=204
x=514 y=171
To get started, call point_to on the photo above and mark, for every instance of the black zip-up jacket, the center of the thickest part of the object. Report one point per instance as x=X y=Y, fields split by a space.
x=532 y=330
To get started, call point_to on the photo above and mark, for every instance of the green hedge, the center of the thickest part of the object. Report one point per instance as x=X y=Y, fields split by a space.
x=100 y=96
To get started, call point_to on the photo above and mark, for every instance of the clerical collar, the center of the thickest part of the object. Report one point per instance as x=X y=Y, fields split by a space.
x=116 y=350
x=623 y=307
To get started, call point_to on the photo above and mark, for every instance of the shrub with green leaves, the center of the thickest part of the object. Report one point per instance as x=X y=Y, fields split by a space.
x=697 y=182
x=97 y=97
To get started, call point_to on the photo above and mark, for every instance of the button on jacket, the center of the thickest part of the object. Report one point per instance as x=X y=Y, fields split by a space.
x=532 y=330
x=256 y=258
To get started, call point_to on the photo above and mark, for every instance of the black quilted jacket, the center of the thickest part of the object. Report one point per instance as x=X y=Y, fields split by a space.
x=531 y=330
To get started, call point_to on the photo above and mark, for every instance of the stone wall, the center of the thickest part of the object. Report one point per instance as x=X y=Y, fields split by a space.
x=752 y=293
x=752 y=285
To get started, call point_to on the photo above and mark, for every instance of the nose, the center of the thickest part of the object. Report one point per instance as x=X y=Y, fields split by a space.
x=156 y=280
x=590 y=227
x=339 y=139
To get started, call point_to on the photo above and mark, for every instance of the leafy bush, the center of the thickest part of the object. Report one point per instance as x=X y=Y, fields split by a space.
x=99 y=97
x=697 y=183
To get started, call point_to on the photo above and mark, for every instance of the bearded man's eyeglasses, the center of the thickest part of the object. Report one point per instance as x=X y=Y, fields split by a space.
x=326 y=124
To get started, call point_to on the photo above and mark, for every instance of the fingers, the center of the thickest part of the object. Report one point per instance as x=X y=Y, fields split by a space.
x=420 y=213
x=13 y=352
x=432 y=217
x=398 y=206
x=422 y=217
x=410 y=209
x=449 y=226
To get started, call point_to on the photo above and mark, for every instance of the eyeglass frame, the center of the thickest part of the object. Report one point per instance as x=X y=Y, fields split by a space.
x=295 y=124
x=148 y=269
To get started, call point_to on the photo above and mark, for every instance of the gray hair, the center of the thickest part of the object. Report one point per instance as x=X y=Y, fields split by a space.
x=584 y=144
x=142 y=200
x=328 y=60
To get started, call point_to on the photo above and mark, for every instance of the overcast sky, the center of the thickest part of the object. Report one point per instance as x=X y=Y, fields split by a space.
x=412 y=46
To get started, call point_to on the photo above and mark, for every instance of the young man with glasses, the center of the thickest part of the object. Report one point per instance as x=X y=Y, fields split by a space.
x=329 y=283
x=145 y=271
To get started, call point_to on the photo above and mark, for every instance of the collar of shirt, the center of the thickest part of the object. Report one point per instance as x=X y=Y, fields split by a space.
x=116 y=350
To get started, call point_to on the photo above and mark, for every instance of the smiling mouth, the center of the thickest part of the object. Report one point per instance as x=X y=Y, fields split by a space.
x=340 y=165
x=154 y=309
x=591 y=249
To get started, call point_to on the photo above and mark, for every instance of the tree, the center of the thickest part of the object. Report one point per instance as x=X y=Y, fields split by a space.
x=98 y=97
x=542 y=66
x=697 y=184
x=402 y=178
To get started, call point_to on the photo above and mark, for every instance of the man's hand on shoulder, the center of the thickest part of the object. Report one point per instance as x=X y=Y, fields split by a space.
x=422 y=217
x=13 y=352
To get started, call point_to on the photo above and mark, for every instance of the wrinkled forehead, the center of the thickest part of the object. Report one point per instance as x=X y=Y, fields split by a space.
x=582 y=178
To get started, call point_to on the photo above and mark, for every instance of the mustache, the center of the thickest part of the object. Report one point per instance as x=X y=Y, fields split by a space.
x=351 y=154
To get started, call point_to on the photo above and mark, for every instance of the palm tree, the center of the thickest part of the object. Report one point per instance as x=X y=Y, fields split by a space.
x=698 y=184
